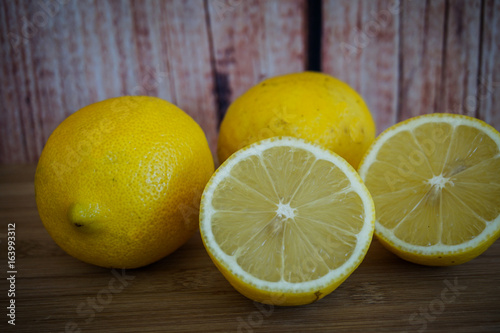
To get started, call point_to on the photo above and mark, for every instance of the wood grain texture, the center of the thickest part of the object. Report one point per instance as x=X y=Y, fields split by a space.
x=415 y=57
x=461 y=57
x=71 y=55
x=186 y=52
x=360 y=46
x=254 y=40
x=489 y=81
x=341 y=45
x=404 y=57
x=186 y=293
x=421 y=56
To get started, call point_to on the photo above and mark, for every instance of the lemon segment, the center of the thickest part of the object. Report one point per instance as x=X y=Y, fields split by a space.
x=286 y=221
x=436 y=187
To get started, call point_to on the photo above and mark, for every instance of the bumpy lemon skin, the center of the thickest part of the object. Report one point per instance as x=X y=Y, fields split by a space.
x=119 y=182
x=309 y=105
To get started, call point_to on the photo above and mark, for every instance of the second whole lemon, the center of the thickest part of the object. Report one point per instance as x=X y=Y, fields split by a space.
x=308 y=105
x=119 y=182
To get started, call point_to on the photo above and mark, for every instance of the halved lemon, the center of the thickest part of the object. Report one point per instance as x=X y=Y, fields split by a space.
x=435 y=181
x=286 y=221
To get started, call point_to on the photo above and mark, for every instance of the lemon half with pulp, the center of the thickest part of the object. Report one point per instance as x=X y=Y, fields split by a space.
x=435 y=181
x=286 y=221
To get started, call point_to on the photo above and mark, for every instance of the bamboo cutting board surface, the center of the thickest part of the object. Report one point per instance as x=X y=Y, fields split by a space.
x=184 y=292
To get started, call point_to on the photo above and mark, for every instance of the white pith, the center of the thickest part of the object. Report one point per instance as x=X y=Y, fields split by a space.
x=285 y=211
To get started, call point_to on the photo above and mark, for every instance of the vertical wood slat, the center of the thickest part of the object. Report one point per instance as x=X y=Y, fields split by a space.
x=189 y=62
x=341 y=44
x=12 y=148
x=439 y=46
x=421 y=55
x=360 y=47
x=489 y=81
x=253 y=40
x=461 y=58
x=23 y=88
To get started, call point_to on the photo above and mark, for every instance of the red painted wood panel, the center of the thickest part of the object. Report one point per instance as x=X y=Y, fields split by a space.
x=83 y=52
x=185 y=52
x=421 y=56
x=409 y=58
x=342 y=45
x=254 y=40
x=488 y=97
x=461 y=57
x=11 y=133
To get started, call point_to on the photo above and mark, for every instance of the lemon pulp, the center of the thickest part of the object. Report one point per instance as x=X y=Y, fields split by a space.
x=435 y=182
x=288 y=217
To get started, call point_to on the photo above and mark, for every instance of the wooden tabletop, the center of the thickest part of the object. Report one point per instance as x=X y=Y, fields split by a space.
x=186 y=293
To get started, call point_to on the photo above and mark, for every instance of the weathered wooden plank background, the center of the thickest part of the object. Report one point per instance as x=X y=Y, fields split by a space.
x=405 y=57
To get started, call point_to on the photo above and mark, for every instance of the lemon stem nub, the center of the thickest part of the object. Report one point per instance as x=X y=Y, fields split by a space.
x=84 y=215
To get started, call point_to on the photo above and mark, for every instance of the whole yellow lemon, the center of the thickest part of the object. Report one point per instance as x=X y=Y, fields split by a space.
x=309 y=105
x=119 y=182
